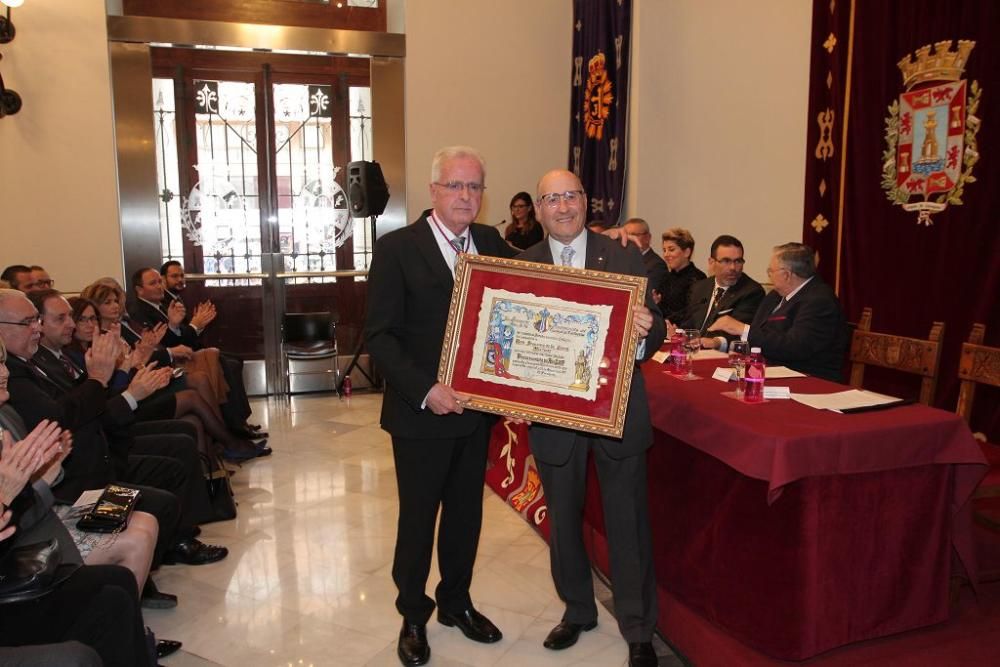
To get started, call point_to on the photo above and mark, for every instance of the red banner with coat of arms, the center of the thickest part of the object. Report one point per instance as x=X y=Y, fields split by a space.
x=902 y=162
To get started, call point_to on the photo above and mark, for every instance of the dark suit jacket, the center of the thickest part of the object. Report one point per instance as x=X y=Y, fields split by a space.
x=807 y=334
x=656 y=271
x=741 y=300
x=94 y=461
x=148 y=316
x=553 y=445
x=409 y=294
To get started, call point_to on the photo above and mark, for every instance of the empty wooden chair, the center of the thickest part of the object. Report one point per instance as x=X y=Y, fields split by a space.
x=910 y=355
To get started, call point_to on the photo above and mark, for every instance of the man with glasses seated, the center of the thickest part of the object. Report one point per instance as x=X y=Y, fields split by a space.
x=799 y=324
x=656 y=269
x=20 y=277
x=729 y=292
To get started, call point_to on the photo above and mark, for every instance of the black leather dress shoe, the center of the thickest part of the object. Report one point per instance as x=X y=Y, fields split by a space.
x=413 y=648
x=565 y=634
x=641 y=654
x=154 y=598
x=193 y=552
x=473 y=625
x=165 y=647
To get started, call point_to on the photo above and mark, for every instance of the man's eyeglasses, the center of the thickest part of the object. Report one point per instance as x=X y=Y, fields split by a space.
x=455 y=187
x=727 y=262
x=26 y=322
x=47 y=284
x=552 y=199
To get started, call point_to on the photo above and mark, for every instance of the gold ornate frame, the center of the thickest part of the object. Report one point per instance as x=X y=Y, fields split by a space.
x=623 y=292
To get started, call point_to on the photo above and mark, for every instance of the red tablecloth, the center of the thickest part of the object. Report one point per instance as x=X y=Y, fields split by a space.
x=796 y=530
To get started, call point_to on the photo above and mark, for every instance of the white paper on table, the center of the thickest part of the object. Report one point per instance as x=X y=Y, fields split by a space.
x=777 y=392
x=88 y=497
x=661 y=356
x=723 y=374
x=781 y=372
x=709 y=354
x=843 y=400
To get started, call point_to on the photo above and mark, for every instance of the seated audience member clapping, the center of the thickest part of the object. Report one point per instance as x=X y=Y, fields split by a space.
x=678 y=244
x=149 y=295
x=728 y=292
x=236 y=410
x=168 y=403
x=799 y=324
x=170 y=480
x=97 y=606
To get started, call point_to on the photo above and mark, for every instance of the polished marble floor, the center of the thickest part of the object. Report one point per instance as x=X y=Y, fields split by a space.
x=307 y=580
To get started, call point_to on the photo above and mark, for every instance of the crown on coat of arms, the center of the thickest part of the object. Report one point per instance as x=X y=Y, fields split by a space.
x=943 y=65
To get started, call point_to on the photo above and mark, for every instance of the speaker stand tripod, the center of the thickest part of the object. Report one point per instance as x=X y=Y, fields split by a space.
x=361 y=343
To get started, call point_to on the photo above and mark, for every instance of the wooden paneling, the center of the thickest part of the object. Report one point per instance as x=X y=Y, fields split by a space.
x=269 y=12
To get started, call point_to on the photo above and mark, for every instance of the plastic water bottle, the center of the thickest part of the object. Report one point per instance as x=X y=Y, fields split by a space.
x=755 y=372
x=677 y=365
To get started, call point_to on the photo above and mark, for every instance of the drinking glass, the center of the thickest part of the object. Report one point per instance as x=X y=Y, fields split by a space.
x=738 y=352
x=692 y=343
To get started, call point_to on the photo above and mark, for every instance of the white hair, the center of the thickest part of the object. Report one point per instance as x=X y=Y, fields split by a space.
x=451 y=153
x=8 y=295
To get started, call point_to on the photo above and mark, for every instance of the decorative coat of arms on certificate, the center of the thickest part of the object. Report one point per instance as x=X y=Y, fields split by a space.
x=540 y=342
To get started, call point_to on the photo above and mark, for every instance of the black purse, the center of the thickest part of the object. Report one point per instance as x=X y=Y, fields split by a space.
x=30 y=571
x=112 y=510
x=220 y=491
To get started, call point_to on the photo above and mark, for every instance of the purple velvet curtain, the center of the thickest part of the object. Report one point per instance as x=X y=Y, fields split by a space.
x=912 y=272
x=602 y=37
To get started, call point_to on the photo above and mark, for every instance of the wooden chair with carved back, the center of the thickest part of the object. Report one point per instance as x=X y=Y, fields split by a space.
x=910 y=355
x=980 y=365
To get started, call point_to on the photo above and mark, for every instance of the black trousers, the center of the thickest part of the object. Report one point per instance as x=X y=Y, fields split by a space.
x=236 y=409
x=98 y=606
x=433 y=475
x=196 y=506
x=630 y=544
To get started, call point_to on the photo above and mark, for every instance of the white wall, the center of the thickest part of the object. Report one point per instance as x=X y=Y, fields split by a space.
x=58 y=182
x=494 y=75
x=719 y=103
x=717 y=143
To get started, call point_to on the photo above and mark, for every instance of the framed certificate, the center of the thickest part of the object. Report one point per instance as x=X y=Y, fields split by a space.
x=527 y=341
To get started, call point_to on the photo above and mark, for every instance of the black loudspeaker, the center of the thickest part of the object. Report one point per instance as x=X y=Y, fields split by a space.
x=366 y=189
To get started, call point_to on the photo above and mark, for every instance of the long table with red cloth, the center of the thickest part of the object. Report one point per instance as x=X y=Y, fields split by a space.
x=793 y=529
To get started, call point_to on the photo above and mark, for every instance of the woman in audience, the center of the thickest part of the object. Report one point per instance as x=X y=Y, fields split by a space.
x=97 y=605
x=678 y=244
x=170 y=403
x=111 y=310
x=523 y=231
x=131 y=548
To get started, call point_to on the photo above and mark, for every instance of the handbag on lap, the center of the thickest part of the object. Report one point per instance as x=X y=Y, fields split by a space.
x=111 y=512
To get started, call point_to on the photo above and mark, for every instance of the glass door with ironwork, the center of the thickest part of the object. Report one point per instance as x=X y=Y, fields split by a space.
x=251 y=160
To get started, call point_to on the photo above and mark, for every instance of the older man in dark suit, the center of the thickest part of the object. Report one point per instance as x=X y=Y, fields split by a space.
x=561 y=454
x=656 y=269
x=439 y=448
x=799 y=324
x=728 y=292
